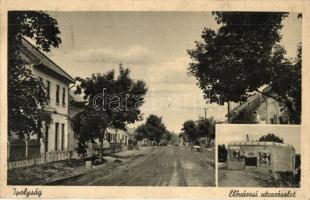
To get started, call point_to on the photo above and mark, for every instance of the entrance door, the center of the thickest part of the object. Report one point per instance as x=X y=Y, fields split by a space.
x=250 y=161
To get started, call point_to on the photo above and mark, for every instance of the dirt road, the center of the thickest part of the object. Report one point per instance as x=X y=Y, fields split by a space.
x=155 y=166
x=244 y=178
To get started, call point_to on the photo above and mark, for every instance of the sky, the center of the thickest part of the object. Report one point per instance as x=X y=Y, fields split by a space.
x=236 y=132
x=153 y=45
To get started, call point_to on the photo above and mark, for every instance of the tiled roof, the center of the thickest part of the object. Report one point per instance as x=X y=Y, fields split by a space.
x=45 y=61
x=250 y=105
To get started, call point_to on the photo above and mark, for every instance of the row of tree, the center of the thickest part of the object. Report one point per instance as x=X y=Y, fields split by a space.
x=154 y=130
x=195 y=131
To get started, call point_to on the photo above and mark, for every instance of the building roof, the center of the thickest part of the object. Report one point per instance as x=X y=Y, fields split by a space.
x=251 y=104
x=257 y=143
x=43 y=61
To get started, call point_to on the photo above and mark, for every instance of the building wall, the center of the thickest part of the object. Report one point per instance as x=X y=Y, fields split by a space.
x=60 y=139
x=279 y=158
x=52 y=106
x=72 y=137
x=117 y=136
x=284 y=159
x=59 y=111
x=269 y=112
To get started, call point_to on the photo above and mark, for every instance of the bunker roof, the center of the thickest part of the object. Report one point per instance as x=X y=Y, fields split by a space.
x=257 y=143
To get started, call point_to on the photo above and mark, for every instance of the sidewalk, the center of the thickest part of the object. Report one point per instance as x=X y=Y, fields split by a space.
x=54 y=172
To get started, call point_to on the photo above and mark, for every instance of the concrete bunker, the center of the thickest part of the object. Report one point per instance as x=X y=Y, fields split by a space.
x=269 y=157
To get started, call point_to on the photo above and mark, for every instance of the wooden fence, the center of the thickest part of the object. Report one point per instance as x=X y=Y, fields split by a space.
x=44 y=158
x=49 y=157
x=21 y=149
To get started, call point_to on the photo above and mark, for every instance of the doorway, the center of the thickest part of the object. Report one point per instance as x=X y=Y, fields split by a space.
x=250 y=161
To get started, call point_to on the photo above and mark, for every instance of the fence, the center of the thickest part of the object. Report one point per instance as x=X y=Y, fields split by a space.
x=44 y=158
x=21 y=149
x=49 y=157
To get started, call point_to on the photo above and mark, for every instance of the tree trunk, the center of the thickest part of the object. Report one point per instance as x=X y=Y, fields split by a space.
x=101 y=143
x=228 y=111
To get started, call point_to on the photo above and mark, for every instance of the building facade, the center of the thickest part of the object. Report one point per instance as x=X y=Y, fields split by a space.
x=57 y=84
x=117 y=136
x=75 y=106
x=261 y=156
x=263 y=110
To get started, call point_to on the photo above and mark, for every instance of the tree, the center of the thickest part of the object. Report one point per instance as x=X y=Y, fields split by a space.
x=206 y=127
x=167 y=136
x=153 y=129
x=244 y=117
x=242 y=56
x=270 y=137
x=295 y=89
x=190 y=131
x=109 y=102
x=26 y=96
x=193 y=131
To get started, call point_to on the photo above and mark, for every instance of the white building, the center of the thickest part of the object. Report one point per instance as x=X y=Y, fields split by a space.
x=266 y=110
x=57 y=83
x=119 y=136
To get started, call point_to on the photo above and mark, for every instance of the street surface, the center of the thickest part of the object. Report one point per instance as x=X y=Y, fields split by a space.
x=244 y=178
x=237 y=178
x=153 y=166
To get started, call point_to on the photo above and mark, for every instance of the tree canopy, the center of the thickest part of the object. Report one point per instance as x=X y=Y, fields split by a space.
x=26 y=96
x=192 y=131
x=244 y=55
x=153 y=129
x=109 y=101
x=244 y=117
x=270 y=137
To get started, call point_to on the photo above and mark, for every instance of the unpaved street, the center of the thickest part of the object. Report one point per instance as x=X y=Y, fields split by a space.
x=245 y=178
x=235 y=178
x=154 y=166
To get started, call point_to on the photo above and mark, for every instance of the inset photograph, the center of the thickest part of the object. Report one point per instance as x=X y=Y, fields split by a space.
x=258 y=155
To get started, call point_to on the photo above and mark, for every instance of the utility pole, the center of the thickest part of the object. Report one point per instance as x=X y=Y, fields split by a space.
x=209 y=88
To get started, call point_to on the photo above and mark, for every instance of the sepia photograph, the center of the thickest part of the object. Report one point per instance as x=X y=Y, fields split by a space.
x=259 y=155
x=138 y=98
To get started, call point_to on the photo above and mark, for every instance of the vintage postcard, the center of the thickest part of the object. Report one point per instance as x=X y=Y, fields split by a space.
x=144 y=99
x=259 y=156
